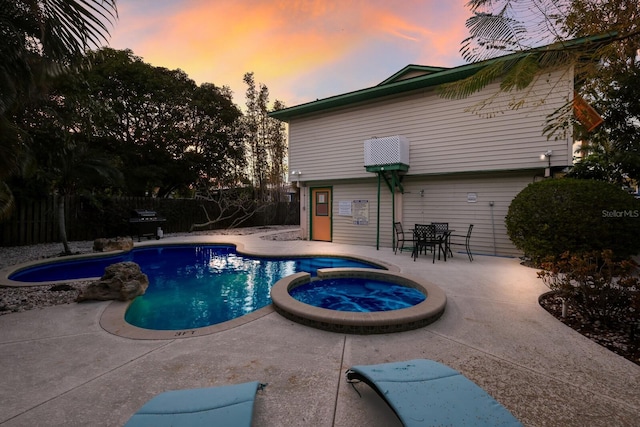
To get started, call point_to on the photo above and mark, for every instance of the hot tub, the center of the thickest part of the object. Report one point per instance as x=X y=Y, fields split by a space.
x=377 y=322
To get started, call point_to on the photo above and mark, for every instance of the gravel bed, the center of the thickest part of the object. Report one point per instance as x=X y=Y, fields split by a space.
x=13 y=300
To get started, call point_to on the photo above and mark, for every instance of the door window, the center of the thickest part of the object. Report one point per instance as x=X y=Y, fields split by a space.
x=322 y=203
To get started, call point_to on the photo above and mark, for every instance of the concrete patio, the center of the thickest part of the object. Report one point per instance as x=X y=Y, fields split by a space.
x=59 y=367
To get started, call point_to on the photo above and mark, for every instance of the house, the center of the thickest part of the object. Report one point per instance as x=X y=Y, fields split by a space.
x=399 y=151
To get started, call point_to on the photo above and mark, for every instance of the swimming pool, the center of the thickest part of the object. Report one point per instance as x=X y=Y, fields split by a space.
x=192 y=286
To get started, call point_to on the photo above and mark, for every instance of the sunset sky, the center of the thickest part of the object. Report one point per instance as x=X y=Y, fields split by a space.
x=302 y=50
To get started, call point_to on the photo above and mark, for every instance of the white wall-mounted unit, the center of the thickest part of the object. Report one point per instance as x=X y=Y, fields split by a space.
x=388 y=150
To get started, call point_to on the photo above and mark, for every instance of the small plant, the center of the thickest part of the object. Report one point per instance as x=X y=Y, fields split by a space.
x=599 y=287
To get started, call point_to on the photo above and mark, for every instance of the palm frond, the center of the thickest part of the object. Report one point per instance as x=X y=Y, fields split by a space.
x=491 y=35
x=39 y=38
x=465 y=87
x=521 y=73
x=558 y=122
x=73 y=26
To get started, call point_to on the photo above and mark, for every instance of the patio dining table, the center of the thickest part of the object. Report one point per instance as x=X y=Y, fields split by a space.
x=429 y=236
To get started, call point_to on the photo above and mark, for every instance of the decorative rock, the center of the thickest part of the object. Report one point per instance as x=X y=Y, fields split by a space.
x=117 y=244
x=122 y=281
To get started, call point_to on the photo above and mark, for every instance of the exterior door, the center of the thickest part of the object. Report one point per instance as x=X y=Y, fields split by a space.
x=321 y=214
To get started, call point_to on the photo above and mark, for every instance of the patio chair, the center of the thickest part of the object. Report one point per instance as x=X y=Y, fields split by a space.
x=466 y=243
x=401 y=238
x=426 y=238
x=427 y=393
x=442 y=229
x=229 y=405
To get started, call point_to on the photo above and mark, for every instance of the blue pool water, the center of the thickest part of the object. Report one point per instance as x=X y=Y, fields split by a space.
x=357 y=295
x=192 y=286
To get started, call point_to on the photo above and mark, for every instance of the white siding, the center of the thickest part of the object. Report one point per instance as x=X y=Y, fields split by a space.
x=444 y=137
x=445 y=199
x=344 y=230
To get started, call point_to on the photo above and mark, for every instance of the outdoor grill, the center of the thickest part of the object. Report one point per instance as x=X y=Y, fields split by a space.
x=146 y=223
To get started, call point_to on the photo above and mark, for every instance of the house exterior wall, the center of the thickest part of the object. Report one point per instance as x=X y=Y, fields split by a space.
x=459 y=200
x=344 y=229
x=460 y=160
x=479 y=199
x=444 y=136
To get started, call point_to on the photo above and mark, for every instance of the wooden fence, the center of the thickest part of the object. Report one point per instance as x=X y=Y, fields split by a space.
x=34 y=222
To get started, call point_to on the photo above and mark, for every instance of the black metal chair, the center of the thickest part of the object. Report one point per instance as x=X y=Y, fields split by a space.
x=426 y=238
x=467 y=241
x=442 y=229
x=401 y=239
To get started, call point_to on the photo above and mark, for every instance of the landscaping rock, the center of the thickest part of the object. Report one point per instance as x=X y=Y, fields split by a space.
x=117 y=244
x=122 y=281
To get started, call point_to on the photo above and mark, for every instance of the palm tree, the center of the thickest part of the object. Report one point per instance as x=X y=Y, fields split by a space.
x=75 y=168
x=38 y=39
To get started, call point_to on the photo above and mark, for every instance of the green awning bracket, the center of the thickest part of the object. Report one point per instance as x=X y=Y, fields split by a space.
x=392 y=175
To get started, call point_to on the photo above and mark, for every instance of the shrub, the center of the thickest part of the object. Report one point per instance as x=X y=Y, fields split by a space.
x=595 y=285
x=550 y=217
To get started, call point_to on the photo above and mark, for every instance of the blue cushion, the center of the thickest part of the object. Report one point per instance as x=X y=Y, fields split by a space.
x=230 y=405
x=427 y=393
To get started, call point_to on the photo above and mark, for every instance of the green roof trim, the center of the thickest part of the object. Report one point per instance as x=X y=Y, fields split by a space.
x=434 y=76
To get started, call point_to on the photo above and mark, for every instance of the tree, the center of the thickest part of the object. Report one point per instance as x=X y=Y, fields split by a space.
x=232 y=206
x=266 y=141
x=167 y=135
x=65 y=161
x=170 y=134
x=78 y=168
x=614 y=91
x=256 y=103
x=277 y=151
x=218 y=137
x=600 y=162
x=609 y=31
x=614 y=147
x=39 y=38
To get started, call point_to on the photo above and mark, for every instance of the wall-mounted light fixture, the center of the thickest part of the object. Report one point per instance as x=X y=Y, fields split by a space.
x=547 y=156
x=295 y=175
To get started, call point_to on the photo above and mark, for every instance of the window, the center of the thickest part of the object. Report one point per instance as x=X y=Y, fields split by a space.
x=322 y=203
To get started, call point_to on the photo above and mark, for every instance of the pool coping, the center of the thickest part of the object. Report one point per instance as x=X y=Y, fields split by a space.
x=381 y=322
x=112 y=321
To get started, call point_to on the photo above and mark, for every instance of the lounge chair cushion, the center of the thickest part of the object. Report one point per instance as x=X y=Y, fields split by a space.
x=427 y=393
x=230 y=405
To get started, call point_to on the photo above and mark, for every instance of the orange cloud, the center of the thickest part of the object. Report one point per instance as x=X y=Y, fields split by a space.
x=235 y=38
x=283 y=41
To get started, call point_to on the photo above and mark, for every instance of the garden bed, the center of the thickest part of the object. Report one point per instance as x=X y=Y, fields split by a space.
x=613 y=336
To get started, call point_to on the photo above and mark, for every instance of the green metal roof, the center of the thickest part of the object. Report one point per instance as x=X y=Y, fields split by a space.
x=375 y=92
x=435 y=76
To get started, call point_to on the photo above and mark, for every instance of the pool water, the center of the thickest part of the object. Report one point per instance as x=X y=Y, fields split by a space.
x=192 y=286
x=357 y=295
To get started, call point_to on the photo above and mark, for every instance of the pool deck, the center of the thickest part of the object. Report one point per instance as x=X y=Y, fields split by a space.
x=61 y=368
